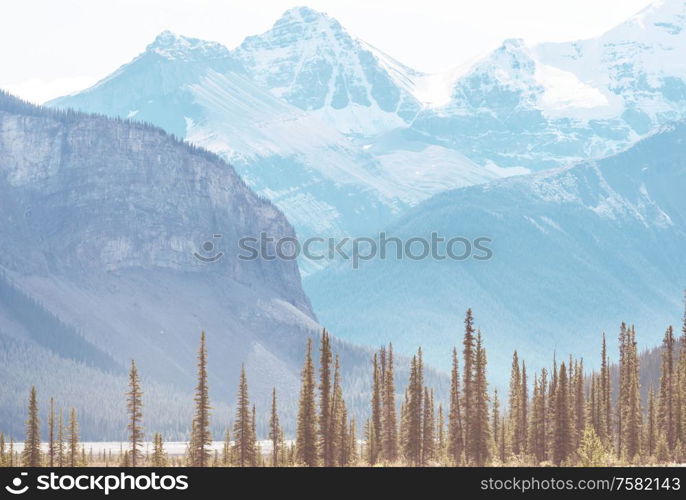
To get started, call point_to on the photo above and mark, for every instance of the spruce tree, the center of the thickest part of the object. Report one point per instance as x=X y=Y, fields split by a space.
x=343 y=439
x=3 y=452
x=680 y=407
x=651 y=427
x=60 y=440
x=390 y=429
x=524 y=404
x=227 y=455
x=515 y=405
x=551 y=408
x=622 y=399
x=469 y=360
x=134 y=398
x=633 y=416
x=369 y=442
x=353 y=453
x=73 y=440
x=244 y=447
x=666 y=413
x=201 y=437
x=339 y=420
x=562 y=439
x=428 y=429
x=605 y=413
x=325 y=420
x=31 y=453
x=440 y=435
x=51 y=435
x=537 y=420
x=495 y=425
x=480 y=452
x=159 y=456
x=579 y=403
x=415 y=399
x=257 y=450
x=376 y=409
x=455 y=429
x=275 y=431
x=306 y=438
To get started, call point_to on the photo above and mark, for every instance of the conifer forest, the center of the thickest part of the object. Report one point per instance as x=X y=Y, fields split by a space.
x=562 y=415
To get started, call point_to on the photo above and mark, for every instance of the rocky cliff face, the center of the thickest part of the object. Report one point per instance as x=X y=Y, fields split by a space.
x=90 y=195
x=101 y=222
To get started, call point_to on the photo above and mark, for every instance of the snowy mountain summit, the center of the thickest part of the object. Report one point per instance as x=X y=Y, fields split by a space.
x=309 y=60
x=558 y=103
x=176 y=47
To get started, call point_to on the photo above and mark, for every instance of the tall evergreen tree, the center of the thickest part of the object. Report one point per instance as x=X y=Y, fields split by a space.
x=73 y=440
x=306 y=438
x=551 y=408
x=469 y=360
x=604 y=402
x=354 y=455
x=201 y=438
x=650 y=438
x=515 y=405
x=244 y=439
x=31 y=453
x=632 y=418
x=275 y=431
x=390 y=429
x=3 y=452
x=376 y=420
x=428 y=429
x=134 y=398
x=562 y=441
x=524 y=403
x=60 y=451
x=680 y=390
x=339 y=420
x=495 y=425
x=455 y=428
x=440 y=435
x=537 y=424
x=666 y=411
x=159 y=456
x=325 y=420
x=51 y=435
x=481 y=439
x=413 y=409
x=579 y=403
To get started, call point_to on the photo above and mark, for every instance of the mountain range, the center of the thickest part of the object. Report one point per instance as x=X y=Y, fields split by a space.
x=344 y=138
x=569 y=156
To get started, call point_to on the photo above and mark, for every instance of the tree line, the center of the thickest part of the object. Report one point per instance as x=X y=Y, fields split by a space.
x=561 y=415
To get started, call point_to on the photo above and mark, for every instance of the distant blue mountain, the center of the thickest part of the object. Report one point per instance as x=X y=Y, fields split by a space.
x=576 y=251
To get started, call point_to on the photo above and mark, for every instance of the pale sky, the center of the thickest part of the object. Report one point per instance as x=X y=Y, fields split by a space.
x=49 y=48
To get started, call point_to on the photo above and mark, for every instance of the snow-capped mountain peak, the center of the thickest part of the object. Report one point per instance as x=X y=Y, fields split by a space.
x=309 y=17
x=174 y=47
x=308 y=59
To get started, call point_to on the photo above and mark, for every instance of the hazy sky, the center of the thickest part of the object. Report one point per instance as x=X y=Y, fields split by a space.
x=49 y=48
